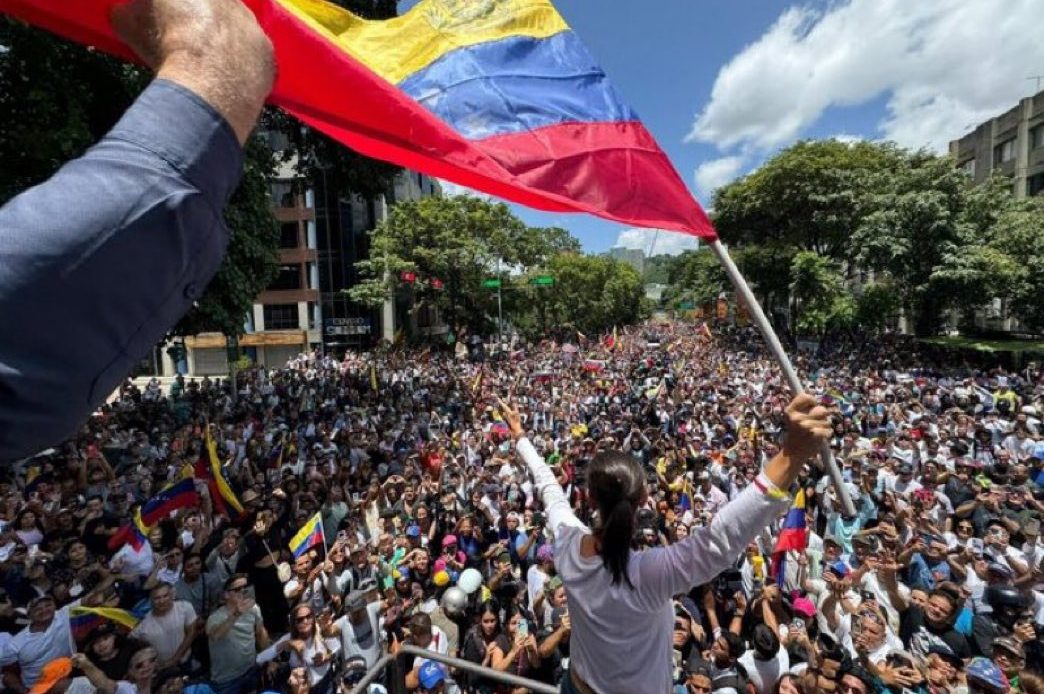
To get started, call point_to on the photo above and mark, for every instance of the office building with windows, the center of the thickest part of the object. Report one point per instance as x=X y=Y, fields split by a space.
x=1011 y=144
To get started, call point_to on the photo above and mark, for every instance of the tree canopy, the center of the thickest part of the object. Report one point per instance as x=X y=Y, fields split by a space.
x=453 y=245
x=850 y=234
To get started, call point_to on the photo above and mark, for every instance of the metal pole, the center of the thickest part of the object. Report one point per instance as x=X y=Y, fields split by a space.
x=500 y=308
x=784 y=361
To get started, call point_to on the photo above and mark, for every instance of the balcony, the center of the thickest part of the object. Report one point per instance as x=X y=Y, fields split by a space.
x=287 y=296
x=297 y=256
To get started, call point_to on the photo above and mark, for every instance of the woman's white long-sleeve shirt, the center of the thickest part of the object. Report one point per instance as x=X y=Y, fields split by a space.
x=621 y=637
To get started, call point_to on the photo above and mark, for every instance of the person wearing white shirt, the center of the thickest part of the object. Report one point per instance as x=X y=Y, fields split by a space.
x=170 y=626
x=620 y=600
x=47 y=637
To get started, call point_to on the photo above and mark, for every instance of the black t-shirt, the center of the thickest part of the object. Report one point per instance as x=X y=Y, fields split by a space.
x=919 y=636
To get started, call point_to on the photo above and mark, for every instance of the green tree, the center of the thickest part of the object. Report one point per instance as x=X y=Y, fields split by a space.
x=876 y=306
x=695 y=276
x=818 y=294
x=1019 y=235
x=810 y=196
x=460 y=240
x=593 y=293
x=927 y=234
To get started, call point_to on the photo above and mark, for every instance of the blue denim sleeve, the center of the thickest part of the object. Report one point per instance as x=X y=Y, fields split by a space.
x=101 y=260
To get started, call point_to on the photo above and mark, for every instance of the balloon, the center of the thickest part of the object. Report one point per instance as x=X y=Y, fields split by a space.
x=470 y=580
x=441 y=578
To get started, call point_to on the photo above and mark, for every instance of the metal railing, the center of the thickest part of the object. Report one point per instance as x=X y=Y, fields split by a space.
x=397 y=679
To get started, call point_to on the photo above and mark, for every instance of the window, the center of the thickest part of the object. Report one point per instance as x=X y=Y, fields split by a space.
x=1003 y=152
x=281 y=317
x=968 y=167
x=1037 y=137
x=288 y=235
x=289 y=277
x=282 y=193
x=1035 y=184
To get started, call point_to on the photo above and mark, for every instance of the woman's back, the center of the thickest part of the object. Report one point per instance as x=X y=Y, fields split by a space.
x=621 y=635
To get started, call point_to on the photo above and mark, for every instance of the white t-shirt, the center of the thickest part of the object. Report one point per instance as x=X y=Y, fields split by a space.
x=166 y=633
x=764 y=674
x=34 y=649
x=364 y=639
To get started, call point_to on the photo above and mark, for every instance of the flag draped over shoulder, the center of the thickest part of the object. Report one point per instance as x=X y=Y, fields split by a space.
x=496 y=95
x=792 y=537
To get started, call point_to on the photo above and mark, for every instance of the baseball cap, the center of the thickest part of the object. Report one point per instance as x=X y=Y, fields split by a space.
x=413 y=531
x=449 y=540
x=545 y=553
x=430 y=674
x=985 y=671
x=52 y=673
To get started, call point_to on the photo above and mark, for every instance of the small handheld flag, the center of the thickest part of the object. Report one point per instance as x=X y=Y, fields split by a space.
x=792 y=537
x=310 y=535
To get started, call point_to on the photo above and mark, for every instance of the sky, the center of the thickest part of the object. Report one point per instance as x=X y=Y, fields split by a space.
x=724 y=85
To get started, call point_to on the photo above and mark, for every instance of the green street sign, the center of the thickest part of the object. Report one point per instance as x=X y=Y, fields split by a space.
x=542 y=281
x=686 y=306
x=492 y=283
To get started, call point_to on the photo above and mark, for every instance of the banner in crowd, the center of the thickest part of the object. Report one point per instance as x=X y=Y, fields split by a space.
x=554 y=133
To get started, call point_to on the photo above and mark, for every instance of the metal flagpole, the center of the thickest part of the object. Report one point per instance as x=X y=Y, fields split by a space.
x=784 y=361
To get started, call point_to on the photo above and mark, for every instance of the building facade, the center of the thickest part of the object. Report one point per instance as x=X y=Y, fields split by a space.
x=1011 y=144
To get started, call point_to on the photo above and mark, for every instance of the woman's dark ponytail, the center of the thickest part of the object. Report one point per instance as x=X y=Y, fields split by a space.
x=616 y=484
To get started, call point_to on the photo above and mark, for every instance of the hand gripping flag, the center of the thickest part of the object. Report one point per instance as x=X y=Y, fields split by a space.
x=310 y=535
x=496 y=95
x=792 y=537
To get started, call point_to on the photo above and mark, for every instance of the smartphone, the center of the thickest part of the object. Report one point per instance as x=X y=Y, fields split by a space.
x=523 y=628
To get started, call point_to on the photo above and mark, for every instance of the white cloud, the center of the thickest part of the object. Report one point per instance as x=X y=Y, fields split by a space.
x=452 y=190
x=660 y=242
x=944 y=66
x=713 y=174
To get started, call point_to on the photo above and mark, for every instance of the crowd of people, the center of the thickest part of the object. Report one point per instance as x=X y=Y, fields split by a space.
x=434 y=534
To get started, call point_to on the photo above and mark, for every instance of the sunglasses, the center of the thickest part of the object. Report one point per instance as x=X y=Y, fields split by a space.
x=302 y=617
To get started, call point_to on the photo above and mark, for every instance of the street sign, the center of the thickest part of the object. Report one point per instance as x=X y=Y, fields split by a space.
x=492 y=283
x=542 y=281
x=686 y=306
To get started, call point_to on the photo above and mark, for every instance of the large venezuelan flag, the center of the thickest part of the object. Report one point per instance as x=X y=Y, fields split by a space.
x=496 y=95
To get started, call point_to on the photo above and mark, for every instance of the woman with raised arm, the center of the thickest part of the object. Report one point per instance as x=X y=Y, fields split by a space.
x=620 y=599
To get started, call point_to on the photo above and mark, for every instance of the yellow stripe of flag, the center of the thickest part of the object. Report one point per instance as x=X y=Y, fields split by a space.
x=219 y=478
x=398 y=47
x=111 y=613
